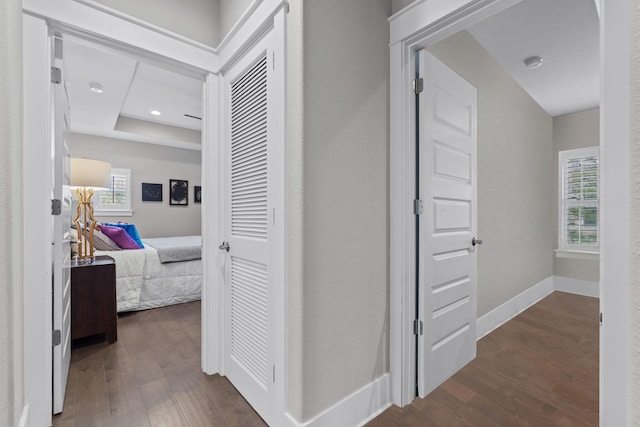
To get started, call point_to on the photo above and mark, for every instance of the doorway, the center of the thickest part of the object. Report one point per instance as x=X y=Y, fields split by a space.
x=91 y=22
x=401 y=107
x=145 y=119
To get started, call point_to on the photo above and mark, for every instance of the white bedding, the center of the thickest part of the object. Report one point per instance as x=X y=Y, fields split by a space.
x=142 y=281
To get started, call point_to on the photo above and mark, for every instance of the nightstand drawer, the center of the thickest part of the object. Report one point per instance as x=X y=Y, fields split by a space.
x=93 y=299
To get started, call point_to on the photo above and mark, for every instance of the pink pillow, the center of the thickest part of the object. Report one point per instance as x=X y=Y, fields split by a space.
x=120 y=236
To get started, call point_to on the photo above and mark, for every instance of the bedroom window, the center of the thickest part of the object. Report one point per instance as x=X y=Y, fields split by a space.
x=578 y=229
x=117 y=200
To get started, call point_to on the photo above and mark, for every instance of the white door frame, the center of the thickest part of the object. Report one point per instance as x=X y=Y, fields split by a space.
x=93 y=21
x=425 y=22
x=415 y=27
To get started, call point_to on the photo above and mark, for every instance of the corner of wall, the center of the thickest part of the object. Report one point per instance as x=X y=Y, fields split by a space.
x=295 y=205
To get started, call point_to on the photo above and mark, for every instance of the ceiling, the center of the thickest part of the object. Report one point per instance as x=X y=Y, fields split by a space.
x=565 y=34
x=131 y=89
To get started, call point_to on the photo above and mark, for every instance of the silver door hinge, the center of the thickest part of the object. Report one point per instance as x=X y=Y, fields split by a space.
x=417 y=327
x=56 y=206
x=601 y=318
x=274 y=373
x=56 y=337
x=56 y=75
x=418 y=85
x=417 y=206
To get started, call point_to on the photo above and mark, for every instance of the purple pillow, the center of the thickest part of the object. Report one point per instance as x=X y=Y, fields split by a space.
x=120 y=236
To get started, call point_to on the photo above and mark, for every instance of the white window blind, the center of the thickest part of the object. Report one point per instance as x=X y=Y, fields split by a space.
x=117 y=200
x=579 y=210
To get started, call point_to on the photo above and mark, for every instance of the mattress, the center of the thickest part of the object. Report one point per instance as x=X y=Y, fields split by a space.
x=143 y=282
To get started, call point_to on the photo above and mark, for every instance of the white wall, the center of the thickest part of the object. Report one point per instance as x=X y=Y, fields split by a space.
x=515 y=176
x=195 y=19
x=229 y=13
x=151 y=164
x=571 y=131
x=345 y=240
x=11 y=324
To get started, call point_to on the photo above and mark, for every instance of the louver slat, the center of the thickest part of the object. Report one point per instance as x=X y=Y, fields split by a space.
x=249 y=317
x=249 y=153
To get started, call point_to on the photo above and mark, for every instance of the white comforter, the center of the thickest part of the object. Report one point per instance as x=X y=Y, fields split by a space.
x=142 y=281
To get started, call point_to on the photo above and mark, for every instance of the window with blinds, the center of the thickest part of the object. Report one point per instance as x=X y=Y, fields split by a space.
x=116 y=200
x=579 y=214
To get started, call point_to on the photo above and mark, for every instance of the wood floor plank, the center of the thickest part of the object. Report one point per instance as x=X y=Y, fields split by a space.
x=235 y=410
x=538 y=369
x=151 y=376
x=532 y=371
x=162 y=408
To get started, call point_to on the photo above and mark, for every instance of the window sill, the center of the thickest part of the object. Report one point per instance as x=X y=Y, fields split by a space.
x=567 y=253
x=113 y=213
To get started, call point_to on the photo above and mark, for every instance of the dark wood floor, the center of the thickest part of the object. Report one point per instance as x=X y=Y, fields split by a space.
x=150 y=377
x=539 y=369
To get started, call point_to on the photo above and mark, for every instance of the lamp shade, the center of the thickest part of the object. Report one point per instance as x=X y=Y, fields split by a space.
x=90 y=173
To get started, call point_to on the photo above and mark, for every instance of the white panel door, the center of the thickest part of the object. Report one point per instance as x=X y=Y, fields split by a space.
x=61 y=237
x=251 y=194
x=447 y=114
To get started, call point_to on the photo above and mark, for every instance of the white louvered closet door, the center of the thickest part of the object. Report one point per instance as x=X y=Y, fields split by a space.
x=249 y=298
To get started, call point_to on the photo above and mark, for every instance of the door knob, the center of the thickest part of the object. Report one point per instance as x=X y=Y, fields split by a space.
x=475 y=241
x=224 y=246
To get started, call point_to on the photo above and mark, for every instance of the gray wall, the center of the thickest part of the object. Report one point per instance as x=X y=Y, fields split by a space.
x=345 y=240
x=397 y=5
x=515 y=176
x=11 y=312
x=634 y=285
x=152 y=164
x=195 y=19
x=229 y=13
x=570 y=131
x=205 y=21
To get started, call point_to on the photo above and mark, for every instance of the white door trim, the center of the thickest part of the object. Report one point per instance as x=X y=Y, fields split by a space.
x=37 y=225
x=427 y=21
x=616 y=360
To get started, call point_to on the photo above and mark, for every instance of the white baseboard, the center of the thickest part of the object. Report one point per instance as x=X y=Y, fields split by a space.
x=510 y=309
x=24 y=419
x=356 y=409
x=365 y=404
x=576 y=286
x=516 y=305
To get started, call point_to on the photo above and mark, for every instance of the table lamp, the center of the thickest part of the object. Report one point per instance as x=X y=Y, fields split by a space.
x=87 y=176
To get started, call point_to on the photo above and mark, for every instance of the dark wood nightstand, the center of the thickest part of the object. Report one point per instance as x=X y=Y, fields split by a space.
x=93 y=299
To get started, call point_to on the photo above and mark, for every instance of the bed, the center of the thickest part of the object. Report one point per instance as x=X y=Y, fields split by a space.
x=166 y=271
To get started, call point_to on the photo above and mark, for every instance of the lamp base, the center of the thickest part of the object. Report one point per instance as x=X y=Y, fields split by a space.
x=85 y=223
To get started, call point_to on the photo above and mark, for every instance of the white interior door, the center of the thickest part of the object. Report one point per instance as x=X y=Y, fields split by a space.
x=447 y=277
x=252 y=187
x=61 y=238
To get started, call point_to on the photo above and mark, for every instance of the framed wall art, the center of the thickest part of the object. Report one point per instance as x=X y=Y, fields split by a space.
x=178 y=192
x=151 y=192
x=197 y=194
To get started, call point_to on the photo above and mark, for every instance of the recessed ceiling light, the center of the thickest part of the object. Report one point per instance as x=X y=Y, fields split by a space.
x=154 y=112
x=95 y=87
x=533 y=62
